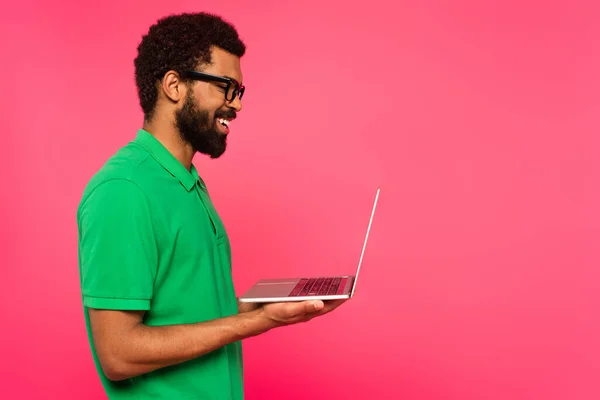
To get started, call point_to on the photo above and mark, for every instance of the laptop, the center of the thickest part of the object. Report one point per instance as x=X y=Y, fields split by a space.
x=308 y=288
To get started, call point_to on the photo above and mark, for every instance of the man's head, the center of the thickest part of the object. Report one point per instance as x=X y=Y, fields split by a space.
x=183 y=68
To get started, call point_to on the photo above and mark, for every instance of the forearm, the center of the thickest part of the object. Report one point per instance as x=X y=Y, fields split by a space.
x=144 y=348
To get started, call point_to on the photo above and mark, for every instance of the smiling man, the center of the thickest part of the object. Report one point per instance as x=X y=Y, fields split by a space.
x=161 y=312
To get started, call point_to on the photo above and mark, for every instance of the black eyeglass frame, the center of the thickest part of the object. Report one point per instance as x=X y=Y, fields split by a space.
x=238 y=89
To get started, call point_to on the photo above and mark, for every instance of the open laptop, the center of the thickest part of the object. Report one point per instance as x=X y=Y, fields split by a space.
x=308 y=288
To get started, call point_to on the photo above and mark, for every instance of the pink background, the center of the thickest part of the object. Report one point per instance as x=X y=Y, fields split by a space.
x=478 y=119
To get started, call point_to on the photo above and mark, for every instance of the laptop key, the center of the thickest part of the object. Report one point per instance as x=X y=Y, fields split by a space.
x=318 y=286
x=307 y=288
x=298 y=288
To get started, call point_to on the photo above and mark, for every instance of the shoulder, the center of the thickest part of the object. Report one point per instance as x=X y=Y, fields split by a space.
x=117 y=182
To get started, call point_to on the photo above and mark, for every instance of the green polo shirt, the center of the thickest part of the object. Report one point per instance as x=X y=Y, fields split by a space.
x=150 y=239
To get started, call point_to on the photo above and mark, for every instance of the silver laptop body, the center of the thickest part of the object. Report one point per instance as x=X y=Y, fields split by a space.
x=310 y=288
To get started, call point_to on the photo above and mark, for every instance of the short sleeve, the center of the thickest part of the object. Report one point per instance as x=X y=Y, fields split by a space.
x=117 y=248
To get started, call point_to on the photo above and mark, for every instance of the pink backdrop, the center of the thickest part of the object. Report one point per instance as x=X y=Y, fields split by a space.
x=478 y=119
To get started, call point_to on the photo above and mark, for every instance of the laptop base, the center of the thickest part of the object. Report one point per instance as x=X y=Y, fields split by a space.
x=299 y=289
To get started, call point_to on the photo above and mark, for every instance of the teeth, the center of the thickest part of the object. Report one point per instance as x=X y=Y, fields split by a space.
x=223 y=121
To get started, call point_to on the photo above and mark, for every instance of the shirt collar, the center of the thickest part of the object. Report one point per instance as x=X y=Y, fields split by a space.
x=156 y=149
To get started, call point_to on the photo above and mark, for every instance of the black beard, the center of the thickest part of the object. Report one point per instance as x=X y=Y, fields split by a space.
x=196 y=128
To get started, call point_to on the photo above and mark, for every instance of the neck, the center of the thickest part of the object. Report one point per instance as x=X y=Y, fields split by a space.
x=166 y=133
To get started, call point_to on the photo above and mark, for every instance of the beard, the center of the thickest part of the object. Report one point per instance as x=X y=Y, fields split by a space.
x=196 y=127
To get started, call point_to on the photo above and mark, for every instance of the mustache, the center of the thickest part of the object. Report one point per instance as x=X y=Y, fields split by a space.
x=226 y=114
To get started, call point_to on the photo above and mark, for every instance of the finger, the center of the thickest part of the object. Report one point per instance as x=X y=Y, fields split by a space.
x=333 y=304
x=313 y=306
x=297 y=309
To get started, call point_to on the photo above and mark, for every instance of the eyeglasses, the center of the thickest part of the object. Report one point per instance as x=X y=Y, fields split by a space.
x=232 y=89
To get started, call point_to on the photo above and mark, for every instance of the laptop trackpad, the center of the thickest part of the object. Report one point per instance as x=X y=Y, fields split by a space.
x=273 y=288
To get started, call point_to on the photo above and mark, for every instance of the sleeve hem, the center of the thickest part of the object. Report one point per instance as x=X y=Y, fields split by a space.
x=116 y=304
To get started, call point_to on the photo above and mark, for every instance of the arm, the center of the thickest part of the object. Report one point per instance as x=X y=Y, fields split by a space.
x=127 y=348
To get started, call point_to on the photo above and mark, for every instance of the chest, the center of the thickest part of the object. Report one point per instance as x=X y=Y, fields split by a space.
x=194 y=261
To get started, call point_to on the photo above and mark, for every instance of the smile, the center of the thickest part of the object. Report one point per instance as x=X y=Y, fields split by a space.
x=223 y=125
x=224 y=122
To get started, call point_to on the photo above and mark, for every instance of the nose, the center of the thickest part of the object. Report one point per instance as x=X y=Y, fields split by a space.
x=236 y=104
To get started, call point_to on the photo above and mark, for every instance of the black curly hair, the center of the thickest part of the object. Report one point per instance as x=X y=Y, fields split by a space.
x=179 y=42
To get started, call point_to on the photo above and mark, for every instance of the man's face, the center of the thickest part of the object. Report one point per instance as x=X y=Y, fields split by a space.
x=205 y=118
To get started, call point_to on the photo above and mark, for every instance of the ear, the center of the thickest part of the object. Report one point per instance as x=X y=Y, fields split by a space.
x=173 y=87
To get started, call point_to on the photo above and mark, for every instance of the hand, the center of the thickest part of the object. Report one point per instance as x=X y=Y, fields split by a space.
x=287 y=313
x=247 y=307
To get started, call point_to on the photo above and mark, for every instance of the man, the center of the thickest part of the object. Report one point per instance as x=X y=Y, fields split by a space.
x=161 y=313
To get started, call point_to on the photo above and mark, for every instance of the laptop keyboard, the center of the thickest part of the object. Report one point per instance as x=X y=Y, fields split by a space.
x=319 y=286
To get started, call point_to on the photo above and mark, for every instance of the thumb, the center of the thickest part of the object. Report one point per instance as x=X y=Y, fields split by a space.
x=313 y=306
